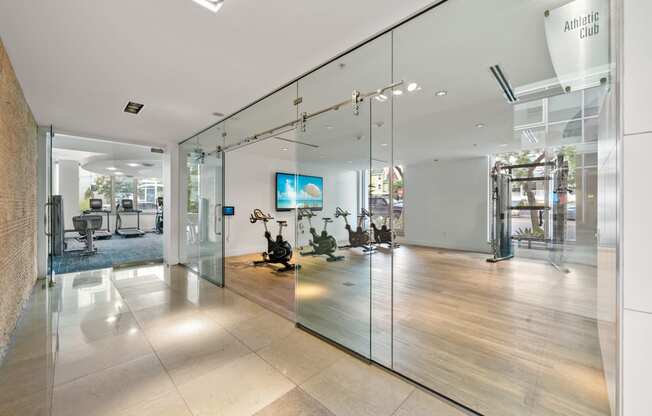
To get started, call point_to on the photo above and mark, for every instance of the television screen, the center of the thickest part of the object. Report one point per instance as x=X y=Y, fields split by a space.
x=301 y=191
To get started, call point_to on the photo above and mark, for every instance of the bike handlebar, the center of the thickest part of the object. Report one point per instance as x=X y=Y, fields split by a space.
x=258 y=215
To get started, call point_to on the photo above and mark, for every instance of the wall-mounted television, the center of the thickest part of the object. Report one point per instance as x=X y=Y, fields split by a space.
x=300 y=191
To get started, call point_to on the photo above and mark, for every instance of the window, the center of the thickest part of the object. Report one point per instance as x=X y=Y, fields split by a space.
x=92 y=185
x=123 y=188
x=149 y=190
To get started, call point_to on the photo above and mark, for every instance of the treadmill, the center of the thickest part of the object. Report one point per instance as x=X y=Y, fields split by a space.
x=126 y=206
x=96 y=207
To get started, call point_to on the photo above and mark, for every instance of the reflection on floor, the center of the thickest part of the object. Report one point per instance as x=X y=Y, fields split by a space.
x=262 y=284
x=513 y=338
x=118 y=250
x=154 y=341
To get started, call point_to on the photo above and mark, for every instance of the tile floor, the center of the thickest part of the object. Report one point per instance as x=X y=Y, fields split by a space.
x=159 y=341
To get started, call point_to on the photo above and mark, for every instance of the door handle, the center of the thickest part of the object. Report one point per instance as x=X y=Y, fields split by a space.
x=216 y=219
x=45 y=219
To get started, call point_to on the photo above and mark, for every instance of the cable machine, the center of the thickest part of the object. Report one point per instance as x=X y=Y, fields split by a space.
x=502 y=177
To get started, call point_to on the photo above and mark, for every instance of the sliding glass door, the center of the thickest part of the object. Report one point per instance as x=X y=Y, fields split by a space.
x=202 y=190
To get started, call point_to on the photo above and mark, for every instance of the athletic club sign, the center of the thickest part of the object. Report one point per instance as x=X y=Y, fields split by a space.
x=578 y=42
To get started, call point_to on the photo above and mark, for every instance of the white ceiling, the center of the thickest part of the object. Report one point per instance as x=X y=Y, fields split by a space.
x=438 y=53
x=79 y=62
x=108 y=158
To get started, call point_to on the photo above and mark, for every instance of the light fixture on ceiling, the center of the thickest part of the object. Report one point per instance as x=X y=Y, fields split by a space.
x=381 y=98
x=111 y=168
x=212 y=5
x=383 y=144
x=441 y=93
x=133 y=165
x=284 y=149
x=397 y=92
x=480 y=125
x=118 y=173
x=412 y=87
x=133 y=107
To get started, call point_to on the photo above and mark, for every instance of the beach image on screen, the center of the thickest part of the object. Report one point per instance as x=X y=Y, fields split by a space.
x=310 y=192
x=286 y=194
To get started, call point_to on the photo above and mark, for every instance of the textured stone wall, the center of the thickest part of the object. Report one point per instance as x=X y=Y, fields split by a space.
x=18 y=182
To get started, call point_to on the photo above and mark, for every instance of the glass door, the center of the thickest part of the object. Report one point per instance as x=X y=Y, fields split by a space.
x=191 y=157
x=211 y=254
x=333 y=291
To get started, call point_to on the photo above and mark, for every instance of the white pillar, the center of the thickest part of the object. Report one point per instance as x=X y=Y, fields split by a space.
x=171 y=201
x=637 y=223
x=69 y=190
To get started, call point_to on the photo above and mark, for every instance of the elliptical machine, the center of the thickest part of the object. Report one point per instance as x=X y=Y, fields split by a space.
x=278 y=251
x=382 y=235
x=359 y=237
x=322 y=244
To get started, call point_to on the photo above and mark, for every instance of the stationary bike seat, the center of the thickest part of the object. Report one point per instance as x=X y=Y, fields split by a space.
x=326 y=219
x=283 y=223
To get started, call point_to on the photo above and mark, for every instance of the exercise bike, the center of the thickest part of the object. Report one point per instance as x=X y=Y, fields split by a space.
x=359 y=237
x=278 y=251
x=322 y=244
x=382 y=235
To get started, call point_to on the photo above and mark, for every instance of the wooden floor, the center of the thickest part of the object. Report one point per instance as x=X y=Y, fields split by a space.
x=511 y=338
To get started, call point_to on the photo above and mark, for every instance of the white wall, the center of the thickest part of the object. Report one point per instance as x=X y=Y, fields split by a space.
x=446 y=204
x=637 y=223
x=250 y=183
x=69 y=188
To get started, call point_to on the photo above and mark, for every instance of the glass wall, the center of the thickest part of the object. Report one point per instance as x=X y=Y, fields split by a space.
x=458 y=223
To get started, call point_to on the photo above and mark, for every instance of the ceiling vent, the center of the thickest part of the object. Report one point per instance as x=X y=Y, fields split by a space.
x=133 y=108
x=499 y=75
x=155 y=150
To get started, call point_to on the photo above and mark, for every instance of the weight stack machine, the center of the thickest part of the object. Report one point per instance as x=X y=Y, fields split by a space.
x=501 y=239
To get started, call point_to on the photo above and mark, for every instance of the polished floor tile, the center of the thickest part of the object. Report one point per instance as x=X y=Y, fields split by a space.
x=262 y=330
x=424 y=404
x=160 y=341
x=112 y=390
x=300 y=356
x=240 y=388
x=352 y=387
x=295 y=403
x=168 y=404
x=85 y=359
x=193 y=346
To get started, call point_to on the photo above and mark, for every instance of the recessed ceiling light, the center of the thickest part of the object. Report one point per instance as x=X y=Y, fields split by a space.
x=480 y=125
x=118 y=173
x=284 y=149
x=133 y=165
x=397 y=92
x=111 y=168
x=412 y=86
x=212 y=5
x=383 y=144
x=133 y=108
x=441 y=93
